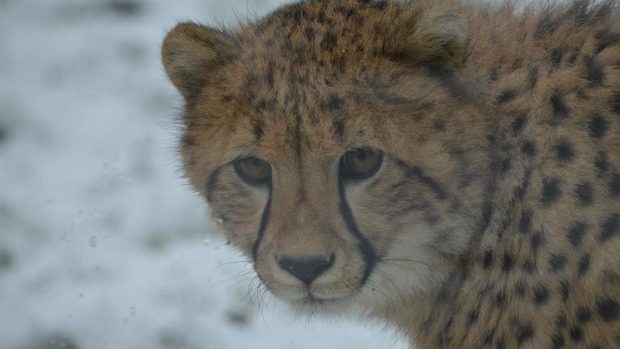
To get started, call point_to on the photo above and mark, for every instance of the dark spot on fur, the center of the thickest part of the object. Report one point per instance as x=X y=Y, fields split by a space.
x=379 y=5
x=507 y=262
x=472 y=317
x=488 y=337
x=321 y=16
x=594 y=71
x=597 y=126
x=439 y=125
x=545 y=26
x=610 y=227
x=556 y=57
x=576 y=334
x=529 y=148
x=532 y=77
x=557 y=340
x=564 y=151
x=559 y=107
x=584 y=193
x=584 y=314
x=615 y=103
x=573 y=57
x=506 y=96
x=269 y=75
x=258 y=131
x=557 y=262
x=500 y=344
x=606 y=39
x=517 y=125
x=334 y=102
x=601 y=163
x=338 y=126
x=608 y=309
x=541 y=295
x=536 y=241
x=309 y=32
x=584 y=264
x=561 y=321
x=494 y=74
x=520 y=288
x=530 y=266
x=524 y=332
x=614 y=185
x=487 y=260
x=525 y=223
x=487 y=211
x=564 y=290
x=500 y=298
x=576 y=233
x=551 y=190
x=329 y=41
x=504 y=166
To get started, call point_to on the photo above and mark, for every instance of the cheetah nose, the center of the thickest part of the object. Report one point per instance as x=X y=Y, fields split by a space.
x=306 y=269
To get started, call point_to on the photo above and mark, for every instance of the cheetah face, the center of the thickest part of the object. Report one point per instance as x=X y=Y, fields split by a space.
x=316 y=152
x=334 y=224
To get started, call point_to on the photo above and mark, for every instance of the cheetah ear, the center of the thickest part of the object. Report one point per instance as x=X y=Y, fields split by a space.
x=432 y=35
x=189 y=52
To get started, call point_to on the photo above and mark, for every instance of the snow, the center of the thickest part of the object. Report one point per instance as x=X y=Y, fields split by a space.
x=102 y=242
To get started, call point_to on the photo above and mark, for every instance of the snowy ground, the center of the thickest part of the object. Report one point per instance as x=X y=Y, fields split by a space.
x=102 y=244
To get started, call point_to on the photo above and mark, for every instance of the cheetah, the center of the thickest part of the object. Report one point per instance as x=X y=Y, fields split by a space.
x=452 y=169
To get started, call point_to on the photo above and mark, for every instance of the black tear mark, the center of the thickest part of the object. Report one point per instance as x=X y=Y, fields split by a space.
x=368 y=252
x=264 y=220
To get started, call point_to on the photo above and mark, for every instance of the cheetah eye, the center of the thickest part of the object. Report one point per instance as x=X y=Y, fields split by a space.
x=360 y=163
x=253 y=170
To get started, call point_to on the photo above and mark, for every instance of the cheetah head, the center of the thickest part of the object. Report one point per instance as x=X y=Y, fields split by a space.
x=328 y=139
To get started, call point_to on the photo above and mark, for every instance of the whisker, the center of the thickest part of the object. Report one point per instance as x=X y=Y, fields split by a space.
x=406 y=260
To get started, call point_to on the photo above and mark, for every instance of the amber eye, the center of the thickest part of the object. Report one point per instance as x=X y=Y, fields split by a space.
x=360 y=163
x=253 y=170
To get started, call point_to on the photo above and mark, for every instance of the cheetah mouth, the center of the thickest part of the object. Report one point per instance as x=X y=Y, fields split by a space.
x=313 y=300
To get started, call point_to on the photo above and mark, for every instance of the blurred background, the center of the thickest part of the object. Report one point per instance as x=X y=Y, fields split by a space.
x=102 y=242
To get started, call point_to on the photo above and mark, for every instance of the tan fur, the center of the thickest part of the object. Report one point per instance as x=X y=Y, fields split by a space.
x=494 y=219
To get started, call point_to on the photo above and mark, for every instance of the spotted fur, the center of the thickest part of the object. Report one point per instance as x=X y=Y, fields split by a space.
x=494 y=220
